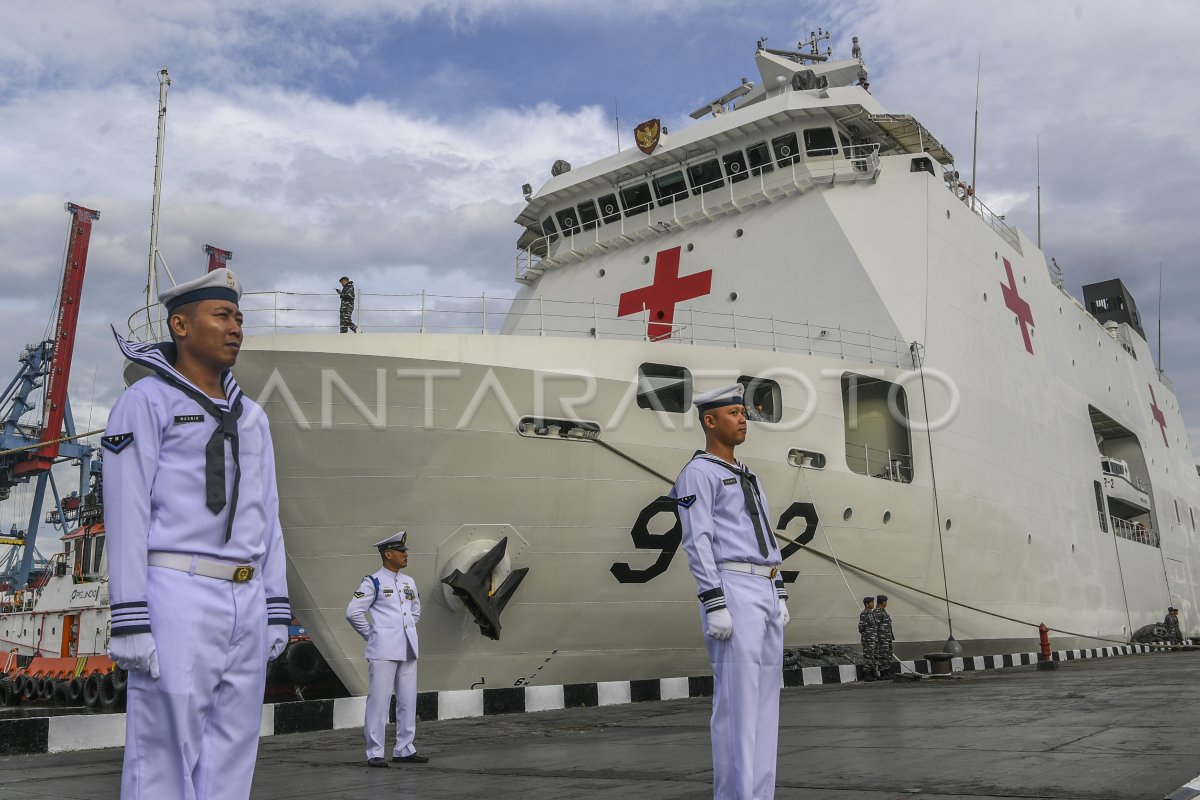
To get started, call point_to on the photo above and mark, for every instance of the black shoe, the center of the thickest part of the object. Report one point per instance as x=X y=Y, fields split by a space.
x=377 y=762
x=413 y=759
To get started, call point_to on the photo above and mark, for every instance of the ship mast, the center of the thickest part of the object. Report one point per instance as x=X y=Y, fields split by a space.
x=164 y=81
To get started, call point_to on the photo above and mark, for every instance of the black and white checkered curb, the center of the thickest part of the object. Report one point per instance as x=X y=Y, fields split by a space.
x=1188 y=791
x=70 y=732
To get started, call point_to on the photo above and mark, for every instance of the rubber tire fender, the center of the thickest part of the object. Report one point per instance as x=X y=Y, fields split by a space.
x=91 y=689
x=62 y=693
x=47 y=688
x=76 y=688
x=120 y=678
x=109 y=693
x=304 y=662
x=29 y=690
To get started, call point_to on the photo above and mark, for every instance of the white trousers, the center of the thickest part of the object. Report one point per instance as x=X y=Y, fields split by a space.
x=388 y=677
x=192 y=733
x=747 y=679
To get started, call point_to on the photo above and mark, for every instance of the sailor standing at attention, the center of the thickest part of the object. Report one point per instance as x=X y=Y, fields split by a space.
x=391 y=634
x=731 y=551
x=196 y=561
x=868 y=629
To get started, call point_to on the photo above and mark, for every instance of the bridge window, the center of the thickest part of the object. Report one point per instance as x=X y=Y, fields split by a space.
x=569 y=220
x=99 y=553
x=609 y=209
x=877 y=437
x=787 y=151
x=669 y=187
x=636 y=199
x=763 y=399
x=587 y=215
x=921 y=164
x=760 y=158
x=705 y=176
x=820 y=142
x=735 y=166
x=664 y=387
x=549 y=230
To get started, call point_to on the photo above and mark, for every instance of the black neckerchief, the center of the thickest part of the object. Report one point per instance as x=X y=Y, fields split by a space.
x=750 y=496
x=160 y=358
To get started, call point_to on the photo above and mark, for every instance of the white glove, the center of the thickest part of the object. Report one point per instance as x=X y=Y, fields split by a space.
x=277 y=640
x=719 y=624
x=135 y=653
x=784 y=616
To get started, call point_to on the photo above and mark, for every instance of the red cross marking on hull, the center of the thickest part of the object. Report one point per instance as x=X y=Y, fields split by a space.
x=1018 y=306
x=660 y=297
x=1157 y=413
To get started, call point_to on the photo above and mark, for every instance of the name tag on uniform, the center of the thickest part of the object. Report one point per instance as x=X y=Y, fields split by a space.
x=185 y=418
x=387 y=592
x=729 y=481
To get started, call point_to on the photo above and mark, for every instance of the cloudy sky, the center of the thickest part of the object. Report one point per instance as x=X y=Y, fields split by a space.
x=389 y=139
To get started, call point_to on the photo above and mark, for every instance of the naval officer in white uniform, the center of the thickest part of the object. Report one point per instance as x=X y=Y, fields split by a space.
x=196 y=560
x=391 y=635
x=733 y=556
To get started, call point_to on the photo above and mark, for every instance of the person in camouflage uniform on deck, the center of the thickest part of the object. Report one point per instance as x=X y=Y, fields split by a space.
x=884 y=636
x=346 y=293
x=1171 y=623
x=867 y=627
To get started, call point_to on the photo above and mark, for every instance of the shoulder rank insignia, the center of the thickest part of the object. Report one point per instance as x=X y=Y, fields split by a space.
x=117 y=442
x=360 y=594
x=686 y=502
x=729 y=481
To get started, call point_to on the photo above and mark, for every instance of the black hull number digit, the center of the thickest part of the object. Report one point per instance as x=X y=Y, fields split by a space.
x=808 y=512
x=667 y=543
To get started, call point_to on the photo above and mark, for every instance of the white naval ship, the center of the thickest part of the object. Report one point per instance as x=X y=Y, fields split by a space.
x=932 y=405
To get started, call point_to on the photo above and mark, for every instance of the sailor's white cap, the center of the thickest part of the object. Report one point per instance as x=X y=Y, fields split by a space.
x=220 y=284
x=397 y=541
x=725 y=396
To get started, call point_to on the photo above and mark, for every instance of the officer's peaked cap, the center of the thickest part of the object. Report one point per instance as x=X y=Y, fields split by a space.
x=725 y=396
x=397 y=541
x=220 y=284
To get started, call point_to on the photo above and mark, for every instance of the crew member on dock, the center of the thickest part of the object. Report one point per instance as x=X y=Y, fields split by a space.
x=867 y=627
x=1171 y=623
x=346 y=308
x=732 y=554
x=197 y=566
x=884 y=636
x=391 y=635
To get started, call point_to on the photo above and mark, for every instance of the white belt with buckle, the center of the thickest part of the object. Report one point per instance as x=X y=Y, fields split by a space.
x=195 y=565
x=750 y=569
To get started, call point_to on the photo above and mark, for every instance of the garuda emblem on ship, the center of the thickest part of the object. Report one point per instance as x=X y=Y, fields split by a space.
x=647 y=134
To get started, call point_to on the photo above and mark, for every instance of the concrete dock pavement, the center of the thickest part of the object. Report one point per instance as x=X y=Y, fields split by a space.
x=1092 y=730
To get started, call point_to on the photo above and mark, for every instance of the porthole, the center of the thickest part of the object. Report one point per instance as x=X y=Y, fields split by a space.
x=995 y=255
x=738 y=233
x=985 y=297
x=887 y=517
x=732 y=296
x=1023 y=279
x=948 y=524
x=1072 y=362
x=1029 y=538
x=947 y=213
x=601 y=273
x=691 y=247
x=847 y=514
x=1072 y=548
x=645 y=259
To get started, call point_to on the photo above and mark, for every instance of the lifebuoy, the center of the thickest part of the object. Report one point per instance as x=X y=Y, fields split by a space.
x=91 y=689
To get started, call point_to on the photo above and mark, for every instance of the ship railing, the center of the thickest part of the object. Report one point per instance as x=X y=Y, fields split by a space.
x=887 y=464
x=762 y=184
x=271 y=313
x=1135 y=532
x=995 y=221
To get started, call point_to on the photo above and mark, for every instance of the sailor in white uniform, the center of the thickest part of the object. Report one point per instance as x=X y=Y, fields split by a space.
x=391 y=635
x=196 y=559
x=732 y=554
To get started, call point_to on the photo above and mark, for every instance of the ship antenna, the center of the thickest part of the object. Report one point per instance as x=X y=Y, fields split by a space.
x=164 y=82
x=1160 y=362
x=1039 y=190
x=975 y=143
x=617 y=120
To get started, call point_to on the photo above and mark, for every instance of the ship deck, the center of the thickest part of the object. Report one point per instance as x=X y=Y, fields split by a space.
x=1109 y=728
